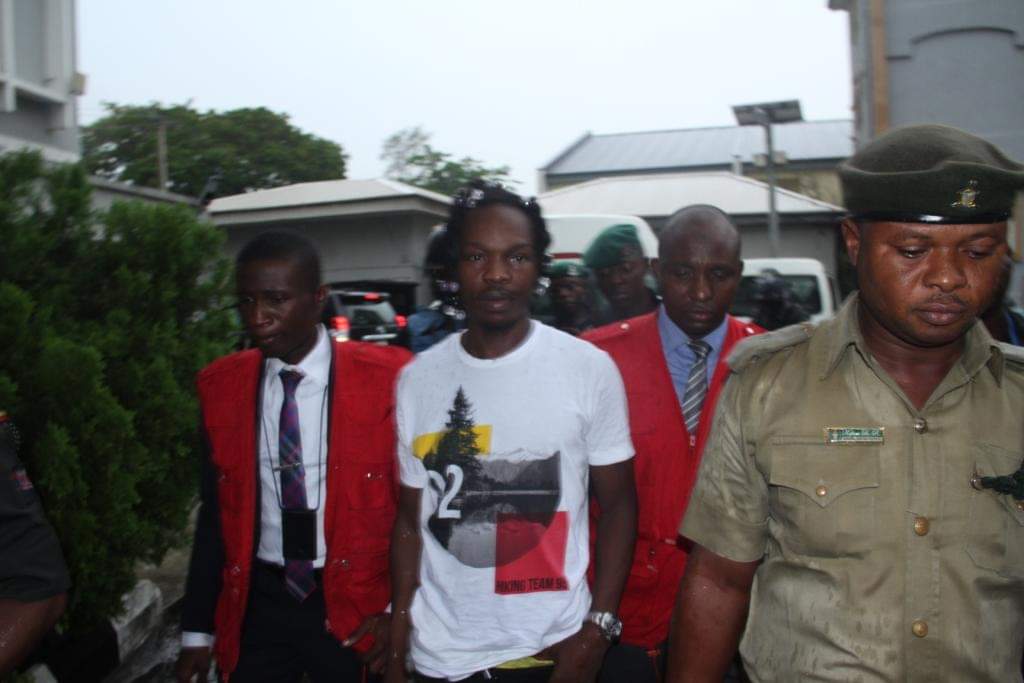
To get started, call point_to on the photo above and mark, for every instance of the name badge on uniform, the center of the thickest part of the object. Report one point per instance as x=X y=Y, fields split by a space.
x=854 y=435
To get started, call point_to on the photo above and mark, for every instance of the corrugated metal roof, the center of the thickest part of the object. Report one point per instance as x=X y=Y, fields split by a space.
x=702 y=147
x=321 y=192
x=662 y=195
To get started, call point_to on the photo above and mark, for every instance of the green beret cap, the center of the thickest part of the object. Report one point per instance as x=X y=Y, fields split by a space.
x=607 y=248
x=930 y=174
x=567 y=269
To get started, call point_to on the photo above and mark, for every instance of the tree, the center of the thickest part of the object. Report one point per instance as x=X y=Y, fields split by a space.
x=224 y=152
x=458 y=444
x=412 y=160
x=106 y=319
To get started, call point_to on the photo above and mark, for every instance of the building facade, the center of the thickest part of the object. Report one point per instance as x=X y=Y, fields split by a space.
x=39 y=80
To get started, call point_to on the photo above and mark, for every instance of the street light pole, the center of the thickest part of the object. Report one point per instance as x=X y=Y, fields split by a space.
x=764 y=114
x=773 y=215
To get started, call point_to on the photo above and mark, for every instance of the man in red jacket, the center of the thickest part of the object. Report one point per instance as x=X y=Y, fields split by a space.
x=672 y=361
x=289 y=570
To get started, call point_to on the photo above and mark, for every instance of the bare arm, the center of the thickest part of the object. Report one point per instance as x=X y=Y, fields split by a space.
x=578 y=658
x=710 y=612
x=405 y=563
x=22 y=625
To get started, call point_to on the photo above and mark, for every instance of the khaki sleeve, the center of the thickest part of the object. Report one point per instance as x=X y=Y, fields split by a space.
x=728 y=512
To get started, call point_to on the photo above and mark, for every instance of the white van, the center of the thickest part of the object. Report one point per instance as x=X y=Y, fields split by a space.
x=810 y=283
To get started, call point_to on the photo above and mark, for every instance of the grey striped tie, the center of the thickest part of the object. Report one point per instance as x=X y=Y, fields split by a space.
x=696 y=385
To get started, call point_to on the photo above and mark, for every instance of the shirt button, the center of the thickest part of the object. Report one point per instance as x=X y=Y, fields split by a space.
x=236 y=570
x=821 y=491
x=921 y=526
x=1020 y=505
x=920 y=425
x=976 y=482
x=345 y=564
x=919 y=628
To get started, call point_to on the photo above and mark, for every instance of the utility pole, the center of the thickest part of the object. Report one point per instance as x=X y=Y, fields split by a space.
x=161 y=154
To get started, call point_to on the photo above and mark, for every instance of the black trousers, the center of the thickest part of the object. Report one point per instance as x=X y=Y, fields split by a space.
x=283 y=639
x=625 y=663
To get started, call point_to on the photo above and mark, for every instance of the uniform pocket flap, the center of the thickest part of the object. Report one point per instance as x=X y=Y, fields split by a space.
x=823 y=473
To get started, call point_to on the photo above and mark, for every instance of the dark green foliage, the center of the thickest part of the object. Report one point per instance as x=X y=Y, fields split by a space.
x=412 y=160
x=106 y=319
x=248 y=149
x=458 y=444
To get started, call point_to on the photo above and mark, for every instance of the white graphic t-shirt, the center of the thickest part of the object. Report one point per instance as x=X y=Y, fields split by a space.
x=501 y=449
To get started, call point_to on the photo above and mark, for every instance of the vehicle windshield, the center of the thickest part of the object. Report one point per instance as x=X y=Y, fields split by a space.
x=803 y=287
x=369 y=313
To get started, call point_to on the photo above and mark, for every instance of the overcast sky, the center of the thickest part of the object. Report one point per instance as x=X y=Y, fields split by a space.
x=506 y=83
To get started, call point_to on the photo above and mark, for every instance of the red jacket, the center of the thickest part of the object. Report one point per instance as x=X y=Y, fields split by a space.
x=362 y=488
x=665 y=466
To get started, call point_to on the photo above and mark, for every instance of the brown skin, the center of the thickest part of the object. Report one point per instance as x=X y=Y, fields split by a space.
x=922 y=287
x=623 y=286
x=498 y=270
x=698 y=271
x=569 y=302
x=995 y=317
x=23 y=625
x=280 y=312
x=711 y=610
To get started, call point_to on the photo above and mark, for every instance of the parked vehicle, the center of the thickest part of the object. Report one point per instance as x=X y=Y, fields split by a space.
x=810 y=285
x=362 y=316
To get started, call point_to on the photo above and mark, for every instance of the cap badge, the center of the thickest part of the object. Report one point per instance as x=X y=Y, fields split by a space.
x=967 y=196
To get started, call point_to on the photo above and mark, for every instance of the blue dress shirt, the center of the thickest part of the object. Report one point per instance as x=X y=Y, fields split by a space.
x=679 y=357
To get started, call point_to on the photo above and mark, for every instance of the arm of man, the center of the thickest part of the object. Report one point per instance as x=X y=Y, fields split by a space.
x=579 y=657
x=33 y=577
x=710 y=612
x=23 y=624
x=203 y=585
x=405 y=562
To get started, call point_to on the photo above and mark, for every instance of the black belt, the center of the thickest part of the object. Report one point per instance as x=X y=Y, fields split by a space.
x=277 y=570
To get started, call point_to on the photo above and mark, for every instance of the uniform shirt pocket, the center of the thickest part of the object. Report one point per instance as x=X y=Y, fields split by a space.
x=995 y=527
x=822 y=497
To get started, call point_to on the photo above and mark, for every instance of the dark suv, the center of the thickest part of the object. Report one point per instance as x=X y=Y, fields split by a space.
x=363 y=316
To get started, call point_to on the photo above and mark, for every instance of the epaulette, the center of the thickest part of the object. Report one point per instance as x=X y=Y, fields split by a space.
x=1011 y=353
x=228 y=363
x=750 y=349
x=609 y=331
x=392 y=357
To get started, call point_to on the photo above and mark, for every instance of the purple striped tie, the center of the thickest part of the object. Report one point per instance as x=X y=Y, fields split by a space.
x=298 y=574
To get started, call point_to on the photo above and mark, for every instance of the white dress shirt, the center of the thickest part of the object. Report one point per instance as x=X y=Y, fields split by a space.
x=313 y=403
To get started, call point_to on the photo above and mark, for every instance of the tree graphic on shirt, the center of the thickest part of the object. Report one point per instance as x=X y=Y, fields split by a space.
x=458 y=444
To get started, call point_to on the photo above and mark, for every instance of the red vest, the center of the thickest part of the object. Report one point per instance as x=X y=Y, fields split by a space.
x=665 y=467
x=362 y=486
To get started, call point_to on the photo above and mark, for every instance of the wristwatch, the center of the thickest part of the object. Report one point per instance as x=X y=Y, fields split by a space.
x=610 y=625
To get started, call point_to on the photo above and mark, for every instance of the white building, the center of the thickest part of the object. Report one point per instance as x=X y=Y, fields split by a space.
x=38 y=78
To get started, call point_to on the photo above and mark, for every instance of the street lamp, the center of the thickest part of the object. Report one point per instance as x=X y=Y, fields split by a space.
x=764 y=114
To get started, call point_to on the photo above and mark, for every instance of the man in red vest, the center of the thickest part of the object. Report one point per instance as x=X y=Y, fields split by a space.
x=672 y=361
x=289 y=570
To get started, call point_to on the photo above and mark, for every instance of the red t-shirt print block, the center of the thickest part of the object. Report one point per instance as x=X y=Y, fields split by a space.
x=530 y=557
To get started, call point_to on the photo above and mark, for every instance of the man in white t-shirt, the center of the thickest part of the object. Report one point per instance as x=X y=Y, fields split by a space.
x=501 y=430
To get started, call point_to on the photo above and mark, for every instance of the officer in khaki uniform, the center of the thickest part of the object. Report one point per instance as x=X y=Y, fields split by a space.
x=856 y=492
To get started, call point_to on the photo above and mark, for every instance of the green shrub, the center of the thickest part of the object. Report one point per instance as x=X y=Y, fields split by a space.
x=106 y=318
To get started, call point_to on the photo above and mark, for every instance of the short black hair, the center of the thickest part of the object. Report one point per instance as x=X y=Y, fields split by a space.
x=696 y=215
x=283 y=245
x=480 y=193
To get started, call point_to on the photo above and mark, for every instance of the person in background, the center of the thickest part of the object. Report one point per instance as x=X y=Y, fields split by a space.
x=289 y=570
x=776 y=305
x=618 y=261
x=868 y=471
x=33 y=578
x=442 y=315
x=673 y=365
x=571 y=299
x=501 y=431
x=1004 y=323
